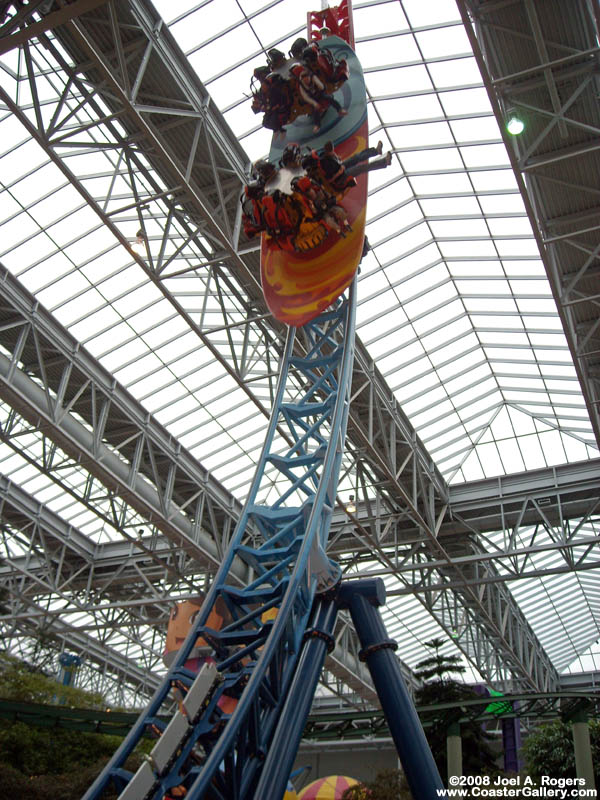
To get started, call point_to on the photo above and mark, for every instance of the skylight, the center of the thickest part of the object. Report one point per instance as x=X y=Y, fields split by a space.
x=453 y=298
x=454 y=304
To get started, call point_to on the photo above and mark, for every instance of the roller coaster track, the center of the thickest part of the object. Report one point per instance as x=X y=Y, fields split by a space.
x=218 y=755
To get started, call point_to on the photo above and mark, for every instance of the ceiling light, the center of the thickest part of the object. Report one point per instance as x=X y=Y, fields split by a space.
x=514 y=124
x=350 y=507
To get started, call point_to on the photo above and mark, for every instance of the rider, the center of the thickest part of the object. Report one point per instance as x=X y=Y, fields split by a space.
x=264 y=170
x=253 y=195
x=282 y=215
x=291 y=156
x=340 y=174
x=273 y=96
x=312 y=88
x=297 y=48
x=251 y=208
x=316 y=201
x=276 y=59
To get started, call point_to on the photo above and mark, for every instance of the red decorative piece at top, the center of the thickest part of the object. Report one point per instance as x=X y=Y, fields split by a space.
x=338 y=19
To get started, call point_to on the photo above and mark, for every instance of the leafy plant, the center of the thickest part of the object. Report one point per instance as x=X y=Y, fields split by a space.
x=438 y=666
x=44 y=763
x=549 y=750
x=437 y=669
x=24 y=683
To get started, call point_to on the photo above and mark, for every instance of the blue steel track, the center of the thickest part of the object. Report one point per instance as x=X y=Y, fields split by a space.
x=281 y=537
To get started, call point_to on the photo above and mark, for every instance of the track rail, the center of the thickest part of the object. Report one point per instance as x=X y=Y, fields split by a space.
x=253 y=657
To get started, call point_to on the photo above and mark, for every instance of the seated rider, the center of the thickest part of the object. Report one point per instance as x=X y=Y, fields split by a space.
x=297 y=48
x=325 y=66
x=252 y=197
x=282 y=216
x=251 y=208
x=264 y=171
x=312 y=89
x=273 y=97
x=276 y=59
x=340 y=174
x=291 y=156
x=315 y=200
x=318 y=205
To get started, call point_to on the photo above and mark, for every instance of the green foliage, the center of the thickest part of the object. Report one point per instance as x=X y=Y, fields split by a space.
x=438 y=665
x=390 y=784
x=25 y=684
x=45 y=763
x=70 y=786
x=37 y=751
x=549 y=750
x=477 y=754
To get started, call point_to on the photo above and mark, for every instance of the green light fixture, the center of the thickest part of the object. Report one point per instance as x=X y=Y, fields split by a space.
x=514 y=123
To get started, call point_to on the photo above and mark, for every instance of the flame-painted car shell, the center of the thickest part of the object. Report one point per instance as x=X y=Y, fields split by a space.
x=298 y=286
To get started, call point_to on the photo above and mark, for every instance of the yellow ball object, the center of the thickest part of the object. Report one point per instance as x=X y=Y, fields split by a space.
x=331 y=787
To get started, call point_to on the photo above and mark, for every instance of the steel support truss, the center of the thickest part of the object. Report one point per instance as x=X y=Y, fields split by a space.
x=541 y=60
x=264 y=623
x=333 y=725
x=66 y=411
x=508 y=520
x=176 y=171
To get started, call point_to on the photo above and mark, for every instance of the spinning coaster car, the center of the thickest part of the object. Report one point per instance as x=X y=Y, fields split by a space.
x=301 y=281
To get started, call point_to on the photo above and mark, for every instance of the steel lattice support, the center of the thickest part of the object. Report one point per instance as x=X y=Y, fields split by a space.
x=106 y=669
x=54 y=386
x=507 y=520
x=263 y=623
x=175 y=171
x=127 y=459
x=542 y=60
x=68 y=384
x=51 y=571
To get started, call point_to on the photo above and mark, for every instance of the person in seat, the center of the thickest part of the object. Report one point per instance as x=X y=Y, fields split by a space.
x=252 y=197
x=282 y=216
x=297 y=48
x=340 y=174
x=276 y=59
x=251 y=208
x=320 y=205
x=322 y=62
x=312 y=197
x=312 y=89
x=273 y=96
x=264 y=171
x=291 y=156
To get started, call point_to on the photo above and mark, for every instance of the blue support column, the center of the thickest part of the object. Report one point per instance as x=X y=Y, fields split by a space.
x=68 y=666
x=318 y=640
x=363 y=599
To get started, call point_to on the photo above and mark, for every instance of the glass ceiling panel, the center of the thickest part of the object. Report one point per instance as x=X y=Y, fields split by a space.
x=453 y=301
